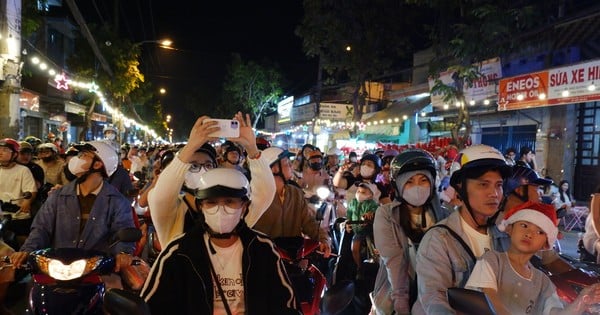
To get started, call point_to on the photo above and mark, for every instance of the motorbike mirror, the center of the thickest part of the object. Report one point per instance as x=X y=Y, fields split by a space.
x=122 y=302
x=26 y=195
x=470 y=301
x=338 y=297
x=127 y=235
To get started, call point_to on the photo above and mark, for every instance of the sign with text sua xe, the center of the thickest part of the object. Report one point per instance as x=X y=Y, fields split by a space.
x=558 y=86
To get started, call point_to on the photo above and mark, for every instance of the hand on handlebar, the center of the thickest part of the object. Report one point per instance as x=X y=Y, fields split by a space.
x=325 y=248
x=123 y=260
x=368 y=216
x=18 y=258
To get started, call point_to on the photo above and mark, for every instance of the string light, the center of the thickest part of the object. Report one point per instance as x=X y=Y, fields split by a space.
x=63 y=82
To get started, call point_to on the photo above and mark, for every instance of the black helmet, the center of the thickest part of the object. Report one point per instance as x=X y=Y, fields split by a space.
x=412 y=160
x=373 y=158
x=521 y=176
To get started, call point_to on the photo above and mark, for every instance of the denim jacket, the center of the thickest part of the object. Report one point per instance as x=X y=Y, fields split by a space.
x=57 y=223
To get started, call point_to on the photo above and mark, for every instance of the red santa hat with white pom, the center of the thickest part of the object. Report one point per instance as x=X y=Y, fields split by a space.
x=542 y=215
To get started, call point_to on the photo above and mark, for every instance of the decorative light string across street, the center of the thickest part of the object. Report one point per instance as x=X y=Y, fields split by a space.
x=63 y=83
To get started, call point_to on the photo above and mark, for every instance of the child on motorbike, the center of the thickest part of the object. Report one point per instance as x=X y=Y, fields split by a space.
x=361 y=208
x=512 y=284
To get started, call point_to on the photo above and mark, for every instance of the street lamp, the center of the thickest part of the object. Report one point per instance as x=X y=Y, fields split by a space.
x=160 y=42
x=162 y=91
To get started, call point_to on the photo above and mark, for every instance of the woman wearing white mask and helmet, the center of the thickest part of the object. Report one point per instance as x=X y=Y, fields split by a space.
x=220 y=266
x=399 y=227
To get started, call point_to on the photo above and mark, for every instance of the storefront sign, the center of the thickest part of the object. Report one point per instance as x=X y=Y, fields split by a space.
x=98 y=117
x=559 y=86
x=74 y=108
x=336 y=111
x=30 y=101
x=284 y=109
x=483 y=88
x=303 y=113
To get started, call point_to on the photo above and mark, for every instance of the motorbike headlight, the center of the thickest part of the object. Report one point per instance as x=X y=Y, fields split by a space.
x=59 y=271
x=323 y=192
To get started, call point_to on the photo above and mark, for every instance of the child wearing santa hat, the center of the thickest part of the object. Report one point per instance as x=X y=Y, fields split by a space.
x=512 y=284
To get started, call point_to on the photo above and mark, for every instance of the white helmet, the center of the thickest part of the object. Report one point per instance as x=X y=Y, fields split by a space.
x=105 y=151
x=111 y=128
x=274 y=154
x=223 y=182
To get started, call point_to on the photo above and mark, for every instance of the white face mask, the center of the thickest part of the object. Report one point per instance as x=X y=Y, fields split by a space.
x=111 y=136
x=366 y=171
x=362 y=197
x=192 y=180
x=416 y=195
x=76 y=165
x=221 y=221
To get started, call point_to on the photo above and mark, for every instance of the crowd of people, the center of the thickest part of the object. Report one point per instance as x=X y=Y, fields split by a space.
x=471 y=219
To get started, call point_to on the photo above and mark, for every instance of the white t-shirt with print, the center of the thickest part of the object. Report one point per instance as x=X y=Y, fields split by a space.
x=227 y=262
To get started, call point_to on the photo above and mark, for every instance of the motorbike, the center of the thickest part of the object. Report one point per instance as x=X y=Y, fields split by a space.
x=68 y=280
x=19 y=223
x=345 y=269
x=123 y=302
x=309 y=283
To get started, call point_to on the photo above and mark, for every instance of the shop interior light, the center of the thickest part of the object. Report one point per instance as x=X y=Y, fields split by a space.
x=446 y=106
x=486 y=102
x=472 y=102
x=396 y=119
x=423 y=114
x=35 y=60
x=404 y=117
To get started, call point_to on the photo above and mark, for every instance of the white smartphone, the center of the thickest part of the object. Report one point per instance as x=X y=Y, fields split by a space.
x=230 y=128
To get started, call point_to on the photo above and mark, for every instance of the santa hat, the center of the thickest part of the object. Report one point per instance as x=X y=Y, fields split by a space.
x=542 y=215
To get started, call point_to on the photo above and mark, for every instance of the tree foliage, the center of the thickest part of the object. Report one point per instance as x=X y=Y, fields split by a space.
x=379 y=35
x=123 y=58
x=465 y=33
x=252 y=87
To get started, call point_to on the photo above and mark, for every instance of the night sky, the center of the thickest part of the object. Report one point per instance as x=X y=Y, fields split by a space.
x=206 y=34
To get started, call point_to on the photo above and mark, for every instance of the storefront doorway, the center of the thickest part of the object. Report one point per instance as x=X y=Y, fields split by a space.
x=587 y=152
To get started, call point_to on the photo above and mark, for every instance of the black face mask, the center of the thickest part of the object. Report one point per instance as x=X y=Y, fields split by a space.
x=317 y=166
x=48 y=159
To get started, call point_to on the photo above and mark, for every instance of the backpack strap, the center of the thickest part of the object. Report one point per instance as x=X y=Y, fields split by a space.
x=458 y=238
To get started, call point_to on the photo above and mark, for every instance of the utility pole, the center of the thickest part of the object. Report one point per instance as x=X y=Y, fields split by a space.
x=11 y=122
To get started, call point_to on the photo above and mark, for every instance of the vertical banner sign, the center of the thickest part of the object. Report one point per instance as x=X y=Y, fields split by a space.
x=565 y=85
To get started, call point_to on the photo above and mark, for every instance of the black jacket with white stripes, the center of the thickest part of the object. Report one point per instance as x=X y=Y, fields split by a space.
x=180 y=281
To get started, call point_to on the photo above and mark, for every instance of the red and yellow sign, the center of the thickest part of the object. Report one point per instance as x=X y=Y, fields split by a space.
x=565 y=85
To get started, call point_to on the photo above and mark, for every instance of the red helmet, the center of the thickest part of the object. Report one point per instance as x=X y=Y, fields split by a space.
x=11 y=144
x=262 y=143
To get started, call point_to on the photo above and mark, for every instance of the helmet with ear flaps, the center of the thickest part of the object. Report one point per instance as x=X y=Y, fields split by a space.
x=412 y=160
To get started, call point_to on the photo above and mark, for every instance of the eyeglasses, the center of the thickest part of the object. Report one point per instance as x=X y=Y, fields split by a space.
x=195 y=168
x=229 y=205
x=85 y=153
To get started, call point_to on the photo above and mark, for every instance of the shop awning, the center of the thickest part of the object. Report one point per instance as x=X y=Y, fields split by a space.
x=405 y=107
x=389 y=120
